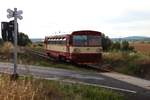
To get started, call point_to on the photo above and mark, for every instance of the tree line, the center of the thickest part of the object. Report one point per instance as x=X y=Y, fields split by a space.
x=23 y=39
x=109 y=45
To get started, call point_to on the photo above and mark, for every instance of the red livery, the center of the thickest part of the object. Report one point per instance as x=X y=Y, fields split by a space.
x=82 y=47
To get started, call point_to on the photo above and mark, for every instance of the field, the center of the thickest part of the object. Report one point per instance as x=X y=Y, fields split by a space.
x=141 y=47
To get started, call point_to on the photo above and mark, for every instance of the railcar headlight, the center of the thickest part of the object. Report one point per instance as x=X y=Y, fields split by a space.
x=76 y=50
x=98 y=50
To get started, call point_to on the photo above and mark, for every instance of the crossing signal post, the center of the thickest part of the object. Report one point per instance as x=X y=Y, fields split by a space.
x=16 y=14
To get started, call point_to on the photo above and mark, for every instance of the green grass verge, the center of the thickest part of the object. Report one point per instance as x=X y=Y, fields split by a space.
x=28 y=88
x=29 y=59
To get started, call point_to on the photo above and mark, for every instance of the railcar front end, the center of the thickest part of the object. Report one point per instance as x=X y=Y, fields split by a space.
x=86 y=47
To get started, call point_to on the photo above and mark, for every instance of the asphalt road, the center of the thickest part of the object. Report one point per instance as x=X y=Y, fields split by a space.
x=132 y=92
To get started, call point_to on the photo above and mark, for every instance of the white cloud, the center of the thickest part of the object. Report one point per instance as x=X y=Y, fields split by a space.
x=44 y=17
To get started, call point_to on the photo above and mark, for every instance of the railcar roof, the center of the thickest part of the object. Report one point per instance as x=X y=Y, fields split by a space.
x=81 y=32
x=75 y=32
x=57 y=36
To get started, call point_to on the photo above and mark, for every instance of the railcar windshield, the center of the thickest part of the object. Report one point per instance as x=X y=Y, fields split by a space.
x=86 y=40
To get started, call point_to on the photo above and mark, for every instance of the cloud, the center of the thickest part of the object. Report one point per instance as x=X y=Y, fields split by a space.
x=131 y=16
x=42 y=17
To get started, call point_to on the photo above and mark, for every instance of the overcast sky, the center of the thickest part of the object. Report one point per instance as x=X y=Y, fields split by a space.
x=115 y=18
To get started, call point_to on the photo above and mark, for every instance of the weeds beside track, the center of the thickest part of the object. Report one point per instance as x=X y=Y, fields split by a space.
x=95 y=67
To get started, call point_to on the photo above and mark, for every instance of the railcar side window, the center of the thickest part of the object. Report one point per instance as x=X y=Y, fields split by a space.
x=57 y=42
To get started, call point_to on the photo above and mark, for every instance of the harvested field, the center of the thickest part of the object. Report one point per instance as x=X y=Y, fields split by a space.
x=141 y=47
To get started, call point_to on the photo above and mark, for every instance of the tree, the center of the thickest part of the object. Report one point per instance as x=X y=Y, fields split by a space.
x=23 y=39
x=106 y=42
x=125 y=45
x=116 y=46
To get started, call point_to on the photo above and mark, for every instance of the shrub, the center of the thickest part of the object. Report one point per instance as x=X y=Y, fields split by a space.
x=125 y=45
x=7 y=47
x=116 y=46
x=23 y=39
x=6 y=50
x=106 y=42
x=1 y=41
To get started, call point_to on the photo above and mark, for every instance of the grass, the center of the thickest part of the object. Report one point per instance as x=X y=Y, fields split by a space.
x=29 y=59
x=136 y=64
x=5 y=51
x=28 y=88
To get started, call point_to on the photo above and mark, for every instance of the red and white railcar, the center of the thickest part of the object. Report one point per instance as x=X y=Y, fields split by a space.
x=82 y=47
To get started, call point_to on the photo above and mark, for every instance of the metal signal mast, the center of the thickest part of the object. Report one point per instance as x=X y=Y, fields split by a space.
x=16 y=14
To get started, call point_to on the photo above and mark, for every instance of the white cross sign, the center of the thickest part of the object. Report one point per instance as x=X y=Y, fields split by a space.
x=12 y=13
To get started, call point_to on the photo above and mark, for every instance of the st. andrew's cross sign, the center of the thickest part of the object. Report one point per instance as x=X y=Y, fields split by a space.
x=16 y=14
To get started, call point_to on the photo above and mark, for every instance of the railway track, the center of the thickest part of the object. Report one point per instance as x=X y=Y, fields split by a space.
x=97 y=67
x=37 y=53
x=101 y=67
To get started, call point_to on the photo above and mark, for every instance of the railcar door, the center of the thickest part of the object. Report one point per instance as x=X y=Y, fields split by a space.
x=68 y=46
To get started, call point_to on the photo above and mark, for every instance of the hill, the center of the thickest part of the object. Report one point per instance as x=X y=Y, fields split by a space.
x=133 y=38
x=34 y=40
